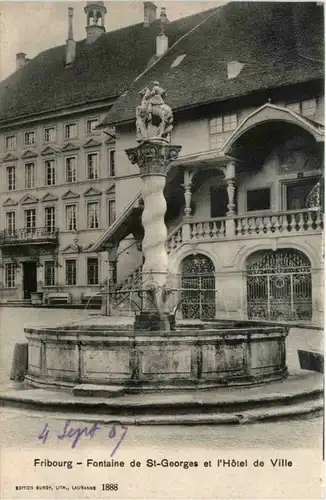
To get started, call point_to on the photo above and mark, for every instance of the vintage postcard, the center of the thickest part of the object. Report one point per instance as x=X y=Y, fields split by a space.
x=161 y=260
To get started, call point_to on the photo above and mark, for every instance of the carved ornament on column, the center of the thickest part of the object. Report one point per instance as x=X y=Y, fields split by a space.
x=153 y=157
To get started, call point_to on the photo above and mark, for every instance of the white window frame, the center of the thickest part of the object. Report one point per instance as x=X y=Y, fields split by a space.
x=307 y=105
x=89 y=223
x=11 y=177
x=29 y=142
x=11 y=148
x=295 y=107
x=90 y=130
x=48 y=140
x=220 y=127
x=53 y=280
x=74 y=176
x=11 y=222
x=50 y=168
x=31 y=219
x=30 y=175
x=111 y=219
x=94 y=174
x=50 y=227
x=74 y=226
x=10 y=275
x=111 y=154
x=66 y=128
x=301 y=107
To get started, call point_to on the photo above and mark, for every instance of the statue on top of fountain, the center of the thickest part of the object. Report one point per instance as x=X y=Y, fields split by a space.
x=154 y=118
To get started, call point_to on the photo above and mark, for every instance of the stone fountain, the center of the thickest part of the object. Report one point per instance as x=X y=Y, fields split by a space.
x=153 y=354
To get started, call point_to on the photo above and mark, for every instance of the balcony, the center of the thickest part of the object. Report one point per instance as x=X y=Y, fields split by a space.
x=289 y=222
x=36 y=235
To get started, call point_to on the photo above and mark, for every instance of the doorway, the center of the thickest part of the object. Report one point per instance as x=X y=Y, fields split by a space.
x=29 y=279
x=219 y=201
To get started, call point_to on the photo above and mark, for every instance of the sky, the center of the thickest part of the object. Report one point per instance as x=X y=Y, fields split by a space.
x=32 y=27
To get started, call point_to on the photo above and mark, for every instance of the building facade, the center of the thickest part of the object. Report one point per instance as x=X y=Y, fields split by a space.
x=245 y=196
x=57 y=170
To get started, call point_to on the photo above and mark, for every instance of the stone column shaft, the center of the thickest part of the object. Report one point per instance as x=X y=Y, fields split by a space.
x=230 y=187
x=153 y=158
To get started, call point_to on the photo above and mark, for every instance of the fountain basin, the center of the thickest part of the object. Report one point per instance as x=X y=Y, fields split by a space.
x=226 y=355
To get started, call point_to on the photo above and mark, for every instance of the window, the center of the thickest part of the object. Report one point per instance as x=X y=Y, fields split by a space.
x=90 y=125
x=29 y=138
x=309 y=107
x=92 y=166
x=49 y=273
x=10 y=275
x=50 y=219
x=111 y=212
x=49 y=134
x=50 y=172
x=294 y=106
x=11 y=222
x=71 y=221
x=11 y=142
x=111 y=162
x=29 y=175
x=30 y=218
x=92 y=271
x=70 y=130
x=93 y=215
x=71 y=272
x=71 y=169
x=218 y=128
x=230 y=122
x=11 y=178
x=258 y=199
x=305 y=108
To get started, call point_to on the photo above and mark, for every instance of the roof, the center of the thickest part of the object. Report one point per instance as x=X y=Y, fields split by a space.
x=259 y=34
x=102 y=69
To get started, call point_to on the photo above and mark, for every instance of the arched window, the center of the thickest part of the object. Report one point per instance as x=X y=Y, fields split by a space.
x=279 y=285
x=198 y=287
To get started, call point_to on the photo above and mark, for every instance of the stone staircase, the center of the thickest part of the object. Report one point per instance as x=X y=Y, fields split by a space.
x=121 y=294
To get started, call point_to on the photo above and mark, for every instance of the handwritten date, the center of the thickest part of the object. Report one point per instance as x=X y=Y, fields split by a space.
x=116 y=433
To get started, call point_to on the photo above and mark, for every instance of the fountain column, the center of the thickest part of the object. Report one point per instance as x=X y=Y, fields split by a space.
x=153 y=158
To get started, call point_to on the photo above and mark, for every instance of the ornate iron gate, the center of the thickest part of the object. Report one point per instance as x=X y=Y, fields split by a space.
x=198 y=287
x=279 y=285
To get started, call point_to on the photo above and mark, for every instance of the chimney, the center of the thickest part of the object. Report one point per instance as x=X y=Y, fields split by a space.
x=70 y=42
x=162 y=41
x=149 y=13
x=21 y=60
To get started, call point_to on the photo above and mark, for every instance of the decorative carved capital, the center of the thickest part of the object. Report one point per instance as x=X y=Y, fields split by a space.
x=153 y=157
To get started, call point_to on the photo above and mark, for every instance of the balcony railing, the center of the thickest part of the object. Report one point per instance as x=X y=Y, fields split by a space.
x=191 y=230
x=29 y=235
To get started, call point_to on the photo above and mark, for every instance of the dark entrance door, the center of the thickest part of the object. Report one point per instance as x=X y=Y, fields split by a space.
x=29 y=279
x=219 y=201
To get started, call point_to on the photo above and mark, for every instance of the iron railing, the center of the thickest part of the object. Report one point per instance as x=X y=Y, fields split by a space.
x=29 y=235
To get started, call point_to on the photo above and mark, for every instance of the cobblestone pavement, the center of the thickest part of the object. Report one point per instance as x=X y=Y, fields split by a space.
x=22 y=428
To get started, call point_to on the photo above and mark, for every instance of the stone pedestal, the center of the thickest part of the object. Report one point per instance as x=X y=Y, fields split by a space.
x=153 y=158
